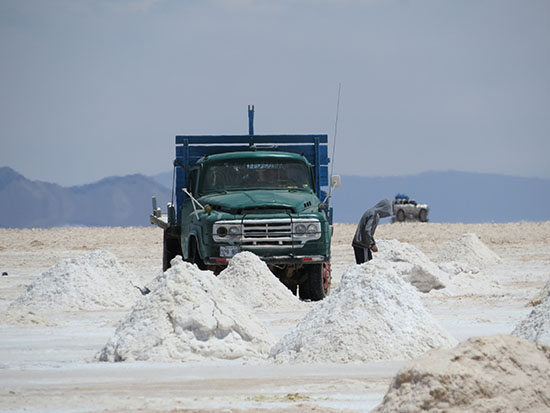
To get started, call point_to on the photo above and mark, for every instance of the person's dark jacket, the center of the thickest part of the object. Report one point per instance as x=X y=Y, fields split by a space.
x=364 y=235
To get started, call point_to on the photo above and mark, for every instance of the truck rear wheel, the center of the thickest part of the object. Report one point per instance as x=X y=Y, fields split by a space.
x=400 y=215
x=317 y=284
x=170 y=248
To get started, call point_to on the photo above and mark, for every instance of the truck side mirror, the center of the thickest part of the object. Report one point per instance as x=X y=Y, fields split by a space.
x=335 y=181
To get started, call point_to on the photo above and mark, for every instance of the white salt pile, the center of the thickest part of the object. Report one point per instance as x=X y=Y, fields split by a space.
x=372 y=315
x=412 y=265
x=536 y=327
x=463 y=259
x=252 y=281
x=92 y=282
x=485 y=374
x=466 y=253
x=191 y=315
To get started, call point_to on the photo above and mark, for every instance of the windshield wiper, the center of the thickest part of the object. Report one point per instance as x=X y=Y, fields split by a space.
x=215 y=191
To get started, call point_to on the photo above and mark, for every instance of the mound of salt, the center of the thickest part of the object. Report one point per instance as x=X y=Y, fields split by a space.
x=92 y=282
x=412 y=265
x=485 y=374
x=373 y=315
x=190 y=315
x=251 y=280
x=536 y=327
x=469 y=252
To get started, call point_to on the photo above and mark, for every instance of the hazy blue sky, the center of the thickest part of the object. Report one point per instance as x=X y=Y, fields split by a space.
x=95 y=88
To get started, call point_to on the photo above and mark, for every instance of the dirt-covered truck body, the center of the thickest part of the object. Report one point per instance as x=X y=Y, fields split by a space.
x=258 y=193
x=405 y=208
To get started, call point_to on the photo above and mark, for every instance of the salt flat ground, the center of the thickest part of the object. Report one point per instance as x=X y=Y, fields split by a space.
x=50 y=367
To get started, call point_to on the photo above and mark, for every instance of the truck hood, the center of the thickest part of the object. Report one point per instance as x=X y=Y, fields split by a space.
x=237 y=202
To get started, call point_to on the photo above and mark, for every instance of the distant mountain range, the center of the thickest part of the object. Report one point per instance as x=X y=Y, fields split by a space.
x=126 y=201
x=114 y=201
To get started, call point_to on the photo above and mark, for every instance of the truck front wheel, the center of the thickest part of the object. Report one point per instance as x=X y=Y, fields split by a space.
x=194 y=255
x=400 y=215
x=317 y=284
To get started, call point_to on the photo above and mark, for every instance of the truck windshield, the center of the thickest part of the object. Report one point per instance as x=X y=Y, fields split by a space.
x=260 y=174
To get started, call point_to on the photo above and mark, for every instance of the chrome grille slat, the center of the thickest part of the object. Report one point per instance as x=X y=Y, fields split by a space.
x=247 y=239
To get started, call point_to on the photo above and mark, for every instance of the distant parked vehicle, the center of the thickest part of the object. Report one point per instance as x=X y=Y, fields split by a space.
x=405 y=208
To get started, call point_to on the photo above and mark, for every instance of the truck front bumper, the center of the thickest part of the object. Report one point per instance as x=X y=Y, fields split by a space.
x=280 y=260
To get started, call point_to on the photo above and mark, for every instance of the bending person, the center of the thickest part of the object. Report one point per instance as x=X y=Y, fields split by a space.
x=363 y=241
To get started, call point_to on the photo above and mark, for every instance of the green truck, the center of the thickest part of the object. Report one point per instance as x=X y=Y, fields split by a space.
x=261 y=193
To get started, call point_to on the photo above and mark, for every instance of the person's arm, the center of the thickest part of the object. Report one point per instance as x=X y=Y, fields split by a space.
x=367 y=233
x=370 y=227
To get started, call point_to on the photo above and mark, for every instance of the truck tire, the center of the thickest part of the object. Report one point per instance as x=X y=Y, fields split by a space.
x=400 y=215
x=423 y=215
x=194 y=255
x=317 y=284
x=170 y=248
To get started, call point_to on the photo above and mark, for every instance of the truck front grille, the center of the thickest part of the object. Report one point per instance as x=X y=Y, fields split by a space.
x=263 y=233
x=275 y=233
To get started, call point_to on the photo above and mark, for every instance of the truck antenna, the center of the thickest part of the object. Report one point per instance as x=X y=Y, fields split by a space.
x=329 y=196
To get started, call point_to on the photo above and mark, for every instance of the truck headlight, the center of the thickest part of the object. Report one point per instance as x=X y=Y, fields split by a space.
x=224 y=231
x=307 y=229
x=234 y=230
